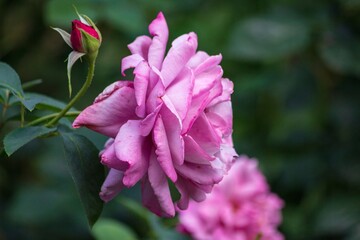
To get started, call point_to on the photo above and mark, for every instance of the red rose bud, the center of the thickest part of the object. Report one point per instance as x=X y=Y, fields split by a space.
x=84 y=38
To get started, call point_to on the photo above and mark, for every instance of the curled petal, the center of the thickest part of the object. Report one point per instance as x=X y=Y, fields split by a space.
x=130 y=62
x=141 y=84
x=205 y=135
x=133 y=148
x=159 y=29
x=179 y=54
x=206 y=80
x=194 y=153
x=208 y=63
x=110 y=111
x=200 y=173
x=181 y=90
x=108 y=158
x=112 y=185
x=220 y=117
x=162 y=150
x=227 y=87
x=173 y=133
x=199 y=103
x=188 y=190
x=197 y=59
x=140 y=46
x=156 y=192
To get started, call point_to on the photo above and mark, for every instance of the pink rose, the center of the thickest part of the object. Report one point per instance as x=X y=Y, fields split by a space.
x=78 y=42
x=171 y=125
x=248 y=208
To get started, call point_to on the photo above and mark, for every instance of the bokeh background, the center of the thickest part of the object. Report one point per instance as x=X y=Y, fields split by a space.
x=296 y=70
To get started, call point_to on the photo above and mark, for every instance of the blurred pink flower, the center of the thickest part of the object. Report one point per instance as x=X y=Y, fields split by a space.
x=239 y=208
x=172 y=124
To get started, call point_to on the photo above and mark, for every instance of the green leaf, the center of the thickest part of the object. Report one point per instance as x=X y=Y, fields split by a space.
x=267 y=38
x=21 y=136
x=39 y=101
x=9 y=79
x=86 y=171
x=108 y=229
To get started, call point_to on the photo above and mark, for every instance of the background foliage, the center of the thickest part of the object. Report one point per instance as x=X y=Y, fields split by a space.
x=296 y=69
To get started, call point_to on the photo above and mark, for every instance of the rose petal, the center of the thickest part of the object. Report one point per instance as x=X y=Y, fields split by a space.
x=147 y=124
x=140 y=46
x=130 y=61
x=208 y=63
x=220 y=117
x=173 y=132
x=112 y=185
x=162 y=149
x=187 y=189
x=159 y=29
x=110 y=110
x=194 y=153
x=204 y=134
x=133 y=148
x=159 y=200
x=180 y=91
x=178 y=56
x=197 y=59
x=108 y=158
x=227 y=87
x=141 y=83
x=199 y=173
x=199 y=103
x=206 y=80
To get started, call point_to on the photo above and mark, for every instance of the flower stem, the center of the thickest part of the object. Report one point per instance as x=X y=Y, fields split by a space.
x=50 y=116
x=81 y=92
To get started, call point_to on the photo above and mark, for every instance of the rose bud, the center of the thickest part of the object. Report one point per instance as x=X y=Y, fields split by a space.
x=85 y=40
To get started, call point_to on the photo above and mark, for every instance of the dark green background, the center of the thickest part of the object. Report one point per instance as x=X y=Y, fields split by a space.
x=295 y=66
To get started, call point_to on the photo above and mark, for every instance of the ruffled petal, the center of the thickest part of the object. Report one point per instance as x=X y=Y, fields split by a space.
x=156 y=191
x=194 y=153
x=110 y=110
x=197 y=59
x=199 y=103
x=140 y=46
x=205 y=135
x=228 y=89
x=147 y=124
x=181 y=90
x=188 y=190
x=133 y=148
x=172 y=125
x=162 y=150
x=109 y=159
x=208 y=63
x=179 y=54
x=112 y=185
x=141 y=84
x=159 y=29
x=130 y=61
x=206 y=80
x=200 y=173
x=220 y=117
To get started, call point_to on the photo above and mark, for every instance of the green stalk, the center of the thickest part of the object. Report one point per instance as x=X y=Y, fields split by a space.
x=50 y=116
x=81 y=92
